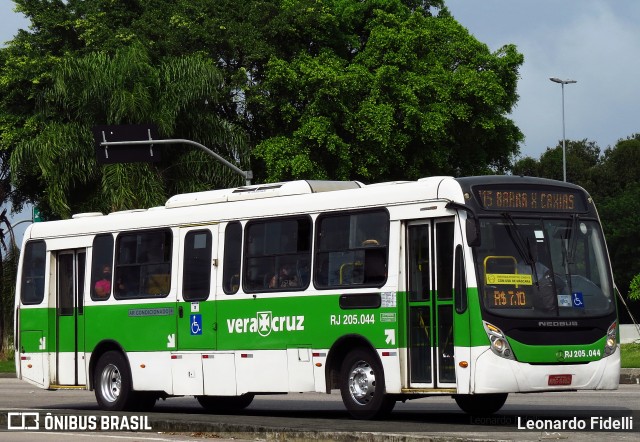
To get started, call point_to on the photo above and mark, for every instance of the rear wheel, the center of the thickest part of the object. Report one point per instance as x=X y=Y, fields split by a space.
x=362 y=386
x=481 y=404
x=112 y=382
x=222 y=404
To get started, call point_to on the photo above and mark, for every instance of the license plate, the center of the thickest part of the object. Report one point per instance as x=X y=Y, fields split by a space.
x=560 y=379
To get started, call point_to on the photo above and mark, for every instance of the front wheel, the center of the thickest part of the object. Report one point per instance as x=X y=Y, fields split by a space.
x=362 y=386
x=481 y=404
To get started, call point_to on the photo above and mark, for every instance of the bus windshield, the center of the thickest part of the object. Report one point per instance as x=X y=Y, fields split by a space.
x=540 y=268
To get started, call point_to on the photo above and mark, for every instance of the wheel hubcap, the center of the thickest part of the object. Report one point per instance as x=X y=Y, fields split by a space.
x=111 y=383
x=362 y=382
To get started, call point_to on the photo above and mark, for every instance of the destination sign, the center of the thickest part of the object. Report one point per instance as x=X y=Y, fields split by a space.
x=508 y=299
x=537 y=200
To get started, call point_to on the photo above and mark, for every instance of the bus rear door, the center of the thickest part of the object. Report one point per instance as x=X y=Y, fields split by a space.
x=69 y=342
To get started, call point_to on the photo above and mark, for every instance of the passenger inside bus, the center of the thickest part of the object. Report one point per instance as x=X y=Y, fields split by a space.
x=285 y=278
x=103 y=285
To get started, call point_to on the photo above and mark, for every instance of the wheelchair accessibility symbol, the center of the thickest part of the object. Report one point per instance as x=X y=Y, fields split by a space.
x=196 y=324
x=577 y=300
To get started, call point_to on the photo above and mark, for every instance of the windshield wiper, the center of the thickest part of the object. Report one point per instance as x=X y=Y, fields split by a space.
x=570 y=249
x=523 y=247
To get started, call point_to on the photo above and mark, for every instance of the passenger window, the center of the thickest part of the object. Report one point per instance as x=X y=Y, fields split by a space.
x=277 y=255
x=232 y=257
x=101 y=267
x=33 y=271
x=196 y=277
x=143 y=264
x=351 y=250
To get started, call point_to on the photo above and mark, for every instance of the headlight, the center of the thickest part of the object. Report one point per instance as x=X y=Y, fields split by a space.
x=499 y=344
x=612 y=339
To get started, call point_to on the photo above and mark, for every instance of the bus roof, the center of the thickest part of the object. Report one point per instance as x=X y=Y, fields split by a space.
x=277 y=199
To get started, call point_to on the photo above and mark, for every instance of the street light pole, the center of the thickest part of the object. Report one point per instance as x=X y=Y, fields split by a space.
x=564 y=148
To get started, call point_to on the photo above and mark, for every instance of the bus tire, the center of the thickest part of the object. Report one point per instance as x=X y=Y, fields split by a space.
x=362 y=386
x=481 y=404
x=222 y=404
x=112 y=382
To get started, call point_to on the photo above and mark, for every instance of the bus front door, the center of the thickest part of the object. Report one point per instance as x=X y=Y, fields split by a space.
x=69 y=342
x=430 y=249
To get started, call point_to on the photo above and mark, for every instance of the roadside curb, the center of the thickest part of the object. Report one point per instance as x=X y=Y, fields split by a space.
x=630 y=376
x=259 y=433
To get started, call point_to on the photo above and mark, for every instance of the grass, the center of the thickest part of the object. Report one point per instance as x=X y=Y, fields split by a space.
x=630 y=354
x=7 y=366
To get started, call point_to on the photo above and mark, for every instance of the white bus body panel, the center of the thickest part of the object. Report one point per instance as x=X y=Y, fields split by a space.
x=262 y=371
x=391 y=368
x=300 y=368
x=150 y=371
x=219 y=372
x=494 y=374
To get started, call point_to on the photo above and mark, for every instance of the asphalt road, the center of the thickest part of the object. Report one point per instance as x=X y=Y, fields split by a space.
x=323 y=417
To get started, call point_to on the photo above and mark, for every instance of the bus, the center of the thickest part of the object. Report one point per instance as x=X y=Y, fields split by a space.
x=472 y=288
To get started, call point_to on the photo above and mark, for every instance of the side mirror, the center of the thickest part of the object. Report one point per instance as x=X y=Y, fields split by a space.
x=472 y=227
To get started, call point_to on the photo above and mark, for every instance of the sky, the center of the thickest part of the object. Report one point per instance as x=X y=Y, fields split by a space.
x=595 y=42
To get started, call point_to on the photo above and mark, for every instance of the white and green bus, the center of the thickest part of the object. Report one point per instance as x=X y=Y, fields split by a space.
x=468 y=287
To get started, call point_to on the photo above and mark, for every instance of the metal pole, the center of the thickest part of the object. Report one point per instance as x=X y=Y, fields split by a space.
x=247 y=174
x=564 y=138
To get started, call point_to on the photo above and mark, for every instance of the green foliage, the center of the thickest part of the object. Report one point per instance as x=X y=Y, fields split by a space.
x=418 y=96
x=120 y=89
x=630 y=355
x=338 y=89
x=8 y=272
x=634 y=288
x=7 y=365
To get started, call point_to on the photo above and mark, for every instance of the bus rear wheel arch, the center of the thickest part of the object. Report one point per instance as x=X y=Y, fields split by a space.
x=362 y=385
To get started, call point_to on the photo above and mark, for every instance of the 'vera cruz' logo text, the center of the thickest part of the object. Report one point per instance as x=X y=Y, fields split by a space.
x=264 y=323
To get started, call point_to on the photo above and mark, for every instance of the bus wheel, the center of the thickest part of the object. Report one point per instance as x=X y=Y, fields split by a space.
x=481 y=404
x=221 y=404
x=112 y=382
x=362 y=386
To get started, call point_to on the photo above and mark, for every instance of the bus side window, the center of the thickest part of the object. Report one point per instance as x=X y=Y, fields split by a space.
x=352 y=249
x=232 y=258
x=196 y=277
x=101 y=266
x=277 y=253
x=143 y=264
x=33 y=271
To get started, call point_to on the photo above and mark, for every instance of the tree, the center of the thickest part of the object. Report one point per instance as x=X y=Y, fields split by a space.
x=615 y=190
x=8 y=273
x=582 y=158
x=337 y=88
x=417 y=95
x=634 y=288
x=177 y=95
